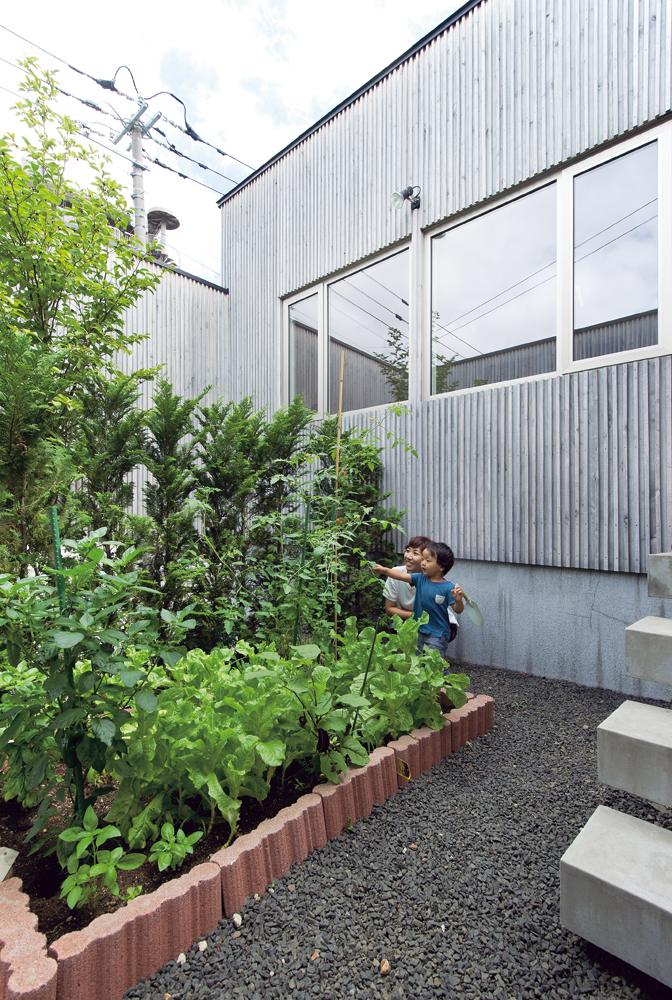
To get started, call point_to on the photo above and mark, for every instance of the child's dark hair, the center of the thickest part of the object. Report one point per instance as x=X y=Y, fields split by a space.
x=442 y=553
x=418 y=542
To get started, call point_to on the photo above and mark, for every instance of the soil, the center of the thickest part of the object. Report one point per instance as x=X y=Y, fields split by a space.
x=42 y=877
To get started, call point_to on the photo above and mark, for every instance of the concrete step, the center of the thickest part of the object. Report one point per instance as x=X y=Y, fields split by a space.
x=616 y=890
x=634 y=751
x=660 y=574
x=648 y=650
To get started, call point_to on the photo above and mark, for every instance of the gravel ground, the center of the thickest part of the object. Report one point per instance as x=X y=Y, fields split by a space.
x=473 y=911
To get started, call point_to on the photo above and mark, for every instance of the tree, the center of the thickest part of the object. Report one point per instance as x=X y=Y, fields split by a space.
x=170 y=457
x=109 y=444
x=69 y=272
x=395 y=367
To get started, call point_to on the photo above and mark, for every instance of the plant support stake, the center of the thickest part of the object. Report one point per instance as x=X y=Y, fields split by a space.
x=303 y=562
x=338 y=454
x=58 y=563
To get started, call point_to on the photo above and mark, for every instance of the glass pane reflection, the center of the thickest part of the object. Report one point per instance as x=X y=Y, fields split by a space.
x=494 y=295
x=616 y=255
x=303 y=351
x=368 y=325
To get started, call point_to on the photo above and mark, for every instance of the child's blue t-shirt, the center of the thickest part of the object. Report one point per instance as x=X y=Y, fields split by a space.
x=433 y=598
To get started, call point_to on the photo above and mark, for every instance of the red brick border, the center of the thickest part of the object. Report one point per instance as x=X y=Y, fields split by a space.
x=116 y=950
x=26 y=973
x=104 y=959
x=358 y=792
x=251 y=863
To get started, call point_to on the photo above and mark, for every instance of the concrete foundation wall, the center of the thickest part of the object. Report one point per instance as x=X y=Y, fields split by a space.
x=567 y=624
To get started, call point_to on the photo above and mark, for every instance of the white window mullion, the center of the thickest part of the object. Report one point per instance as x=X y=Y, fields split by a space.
x=665 y=239
x=322 y=353
x=565 y=305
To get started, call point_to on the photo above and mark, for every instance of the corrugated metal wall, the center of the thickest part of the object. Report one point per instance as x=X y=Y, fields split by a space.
x=620 y=335
x=363 y=375
x=562 y=471
x=187 y=323
x=511 y=90
x=571 y=470
x=500 y=366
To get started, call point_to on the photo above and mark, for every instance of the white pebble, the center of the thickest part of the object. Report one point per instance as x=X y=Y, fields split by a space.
x=237 y=920
x=202 y=945
x=181 y=958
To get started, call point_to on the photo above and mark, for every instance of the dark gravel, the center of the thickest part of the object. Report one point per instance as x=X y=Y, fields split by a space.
x=473 y=912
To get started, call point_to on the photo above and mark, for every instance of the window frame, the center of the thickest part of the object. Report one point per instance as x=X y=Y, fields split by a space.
x=564 y=330
x=322 y=289
x=285 y=373
x=465 y=217
x=566 y=364
x=563 y=178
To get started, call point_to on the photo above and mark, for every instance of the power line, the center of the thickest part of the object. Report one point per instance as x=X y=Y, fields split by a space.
x=503 y=292
x=622 y=219
x=351 y=319
x=382 y=306
x=465 y=342
x=13 y=65
x=166 y=145
x=534 y=273
x=371 y=278
x=539 y=283
x=129 y=159
x=87 y=134
x=186 y=177
x=495 y=308
x=105 y=84
x=111 y=85
x=609 y=242
x=357 y=306
x=173 y=149
x=12 y=92
x=193 y=135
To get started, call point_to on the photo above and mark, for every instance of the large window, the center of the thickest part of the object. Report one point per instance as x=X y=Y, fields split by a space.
x=494 y=287
x=567 y=275
x=368 y=331
x=616 y=255
x=303 y=350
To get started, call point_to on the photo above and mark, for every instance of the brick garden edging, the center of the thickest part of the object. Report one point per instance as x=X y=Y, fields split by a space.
x=118 y=949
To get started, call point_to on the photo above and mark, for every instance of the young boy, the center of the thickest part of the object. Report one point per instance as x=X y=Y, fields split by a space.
x=400 y=596
x=433 y=594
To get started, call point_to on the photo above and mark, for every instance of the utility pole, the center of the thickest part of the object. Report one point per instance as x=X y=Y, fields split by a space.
x=138 y=196
x=136 y=128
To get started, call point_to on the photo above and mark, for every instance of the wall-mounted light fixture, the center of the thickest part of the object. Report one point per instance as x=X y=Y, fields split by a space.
x=410 y=193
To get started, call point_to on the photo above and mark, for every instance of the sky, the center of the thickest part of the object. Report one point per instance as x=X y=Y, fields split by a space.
x=253 y=76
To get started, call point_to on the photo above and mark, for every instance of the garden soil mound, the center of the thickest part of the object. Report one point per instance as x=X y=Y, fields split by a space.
x=454 y=881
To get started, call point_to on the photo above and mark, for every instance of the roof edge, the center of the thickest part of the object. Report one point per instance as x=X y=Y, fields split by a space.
x=404 y=57
x=194 y=277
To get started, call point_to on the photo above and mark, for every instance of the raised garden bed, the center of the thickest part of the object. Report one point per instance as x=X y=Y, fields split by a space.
x=42 y=877
x=104 y=959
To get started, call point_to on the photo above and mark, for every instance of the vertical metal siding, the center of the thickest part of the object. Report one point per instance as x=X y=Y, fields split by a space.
x=187 y=323
x=620 y=335
x=569 y=471
x=513 y=89
x=564 y=471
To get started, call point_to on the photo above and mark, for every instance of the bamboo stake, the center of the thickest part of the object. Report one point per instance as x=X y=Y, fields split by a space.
x=338 y=455
x=303 y=562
